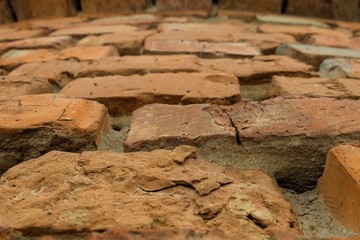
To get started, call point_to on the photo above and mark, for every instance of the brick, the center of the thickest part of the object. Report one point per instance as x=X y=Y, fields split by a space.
x=150 y=184
x=22 y=34
x=315 y=87
x=339 y=9
x=299 y=32
x=135 y=19
x=164 y=5
x=42 y=42
x=314 y=55
x=290 y=20
x=57 y=72
x=354 y=26
x=113 y=6
x=130 y=43
x=340 y=184
x=201 y=48
x=56 y=23
x=5 y=12
x=340 y=68
x=25 y=9
x=287 y=138
x=123 y=95
x=32 y=125
x=334 y=41
x=273 y=6
x=92 y=30
x=14 y=58
x=15 y=86
x=83 y=53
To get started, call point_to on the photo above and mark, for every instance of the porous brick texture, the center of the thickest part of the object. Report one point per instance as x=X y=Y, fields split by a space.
x=178 y=120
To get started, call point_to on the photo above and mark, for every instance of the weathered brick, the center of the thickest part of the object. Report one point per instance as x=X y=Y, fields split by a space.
x=290 y=20
x=334 y=41
x=135 y=19
x=339 y=9
x=5 y=12
x=130 y=43
x=83 y=53
x=21 y=34
x=123 y=95
x=113 y=6
x=14 y=58
x=42 y=42
x=26 y=9
x=273 y=6
x=315 y=87
x=35 y=124
x=203 y=49
x=15 y=86
x=164 y=5
x=287 y=138
x=340 y=68
x=56 y=23
x=92 y=30
x=340 y=184
x=314 y=55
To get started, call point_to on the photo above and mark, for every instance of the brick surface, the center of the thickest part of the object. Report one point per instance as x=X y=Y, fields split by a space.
x=334 y=41
x=183 y=4
x=56 y=23
x=15 y=86
x=122 y=95
x=290 y=20
x=26 y=9
x=5 y=14
x=130 y=43
x=273 y=6
x=48 y=122
x=315 y=87
x=340 y=68
x=21 y=34
x=113 y=6
x=14 y=58
x=340 y=184
x=135 y=19
x=88 y=30
x=314 y=55
x=83 y=53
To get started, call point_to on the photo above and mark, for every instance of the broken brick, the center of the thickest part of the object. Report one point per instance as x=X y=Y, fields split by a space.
x=83 y=53
x=15 y=86
x=340 y=68
x=80 y=31
x=337 y=41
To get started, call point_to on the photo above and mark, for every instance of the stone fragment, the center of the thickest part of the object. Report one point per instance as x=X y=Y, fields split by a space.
x=337 y=41
x=287 y=138
x=122 y=95
x=272 y=6
x=203 y=49
x=340 y=68
x=21 y=34
x=25 y=9
x=315 y=88
x=113 y=6
x=32 y=125
x=15 y=86
x=130 y=43
x=246 y=204
x=14 y=58
x=290 y=20
x=165 y=5
x=314 y=55
x=5 y=12
x=42 y=42
x=80 y=31
x=340 y=184
x=84 y=53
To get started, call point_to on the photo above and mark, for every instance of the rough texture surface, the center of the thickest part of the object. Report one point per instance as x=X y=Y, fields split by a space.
x=48 y=122
x=15 y=86
x=165 y=5
x=273 y=6
x=5 y=13
x=152 y=184
x=114 y=6
x=340 y=68
x=341 y=174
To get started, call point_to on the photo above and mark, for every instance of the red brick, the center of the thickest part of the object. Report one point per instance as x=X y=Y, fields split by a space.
x=34 y=124
x=25 y=9
x=56 y=23
x=135 y=19
x=88 y=52
x=123 y=95
x=340 y=184
x=315 y=87
x=5 y=12
x=340 y=68
x=92 y=30
x=15 y=58
x=287 y=138
x=21 y=34
x=201 y=48
x=15 y=86
x=273 y=6
x=183 y=4
x=113 y=6
x=130 y=43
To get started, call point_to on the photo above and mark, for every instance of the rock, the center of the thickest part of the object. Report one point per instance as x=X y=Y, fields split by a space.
x=15 y=86
x=113 y=6
x=273 y=6
x=340 y=184
x=314 y=55
x=166 y=5
x=85 y=30
x=315 y=87
x=340 y=68
x=151 y=185
x=123 y=95
x=88 y=52
x=21 y=34
x=5 y=13
x=35 y=124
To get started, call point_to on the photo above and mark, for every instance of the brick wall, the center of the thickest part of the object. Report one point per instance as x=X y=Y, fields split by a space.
x=11 y=10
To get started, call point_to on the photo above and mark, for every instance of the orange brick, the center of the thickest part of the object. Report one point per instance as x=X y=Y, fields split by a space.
x=21 y=34
x=334 y=41
x=88 y=52
x=340 y=184
x=134 y=19
x=88 y=30
x=15 y=86
x=14 y=58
